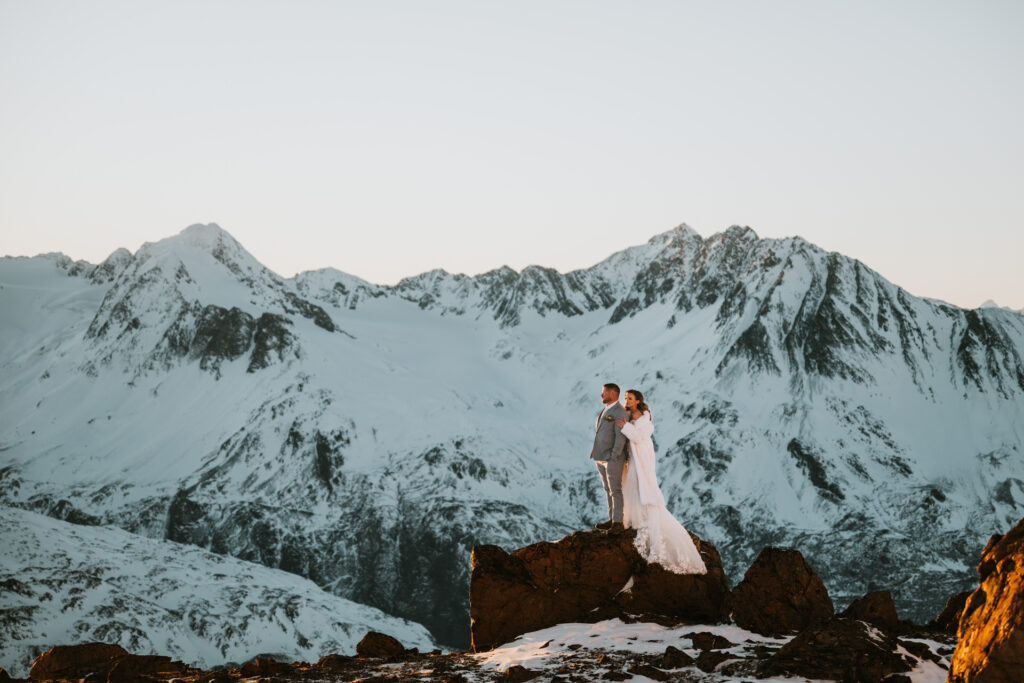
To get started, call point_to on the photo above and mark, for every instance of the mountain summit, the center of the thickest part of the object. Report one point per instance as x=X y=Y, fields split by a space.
x=367 y=436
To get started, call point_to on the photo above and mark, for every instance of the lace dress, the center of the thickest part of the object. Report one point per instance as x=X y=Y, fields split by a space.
x=659 y=537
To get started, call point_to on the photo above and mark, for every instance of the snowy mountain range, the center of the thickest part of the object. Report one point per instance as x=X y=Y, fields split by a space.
x=366 y=437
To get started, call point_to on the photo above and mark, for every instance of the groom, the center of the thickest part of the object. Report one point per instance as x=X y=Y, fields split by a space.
x=610 y=452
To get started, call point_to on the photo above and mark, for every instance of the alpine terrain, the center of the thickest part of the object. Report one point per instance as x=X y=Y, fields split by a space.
x=365 y=437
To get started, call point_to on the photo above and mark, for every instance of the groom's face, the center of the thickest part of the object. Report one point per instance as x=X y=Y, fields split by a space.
x=608 y=396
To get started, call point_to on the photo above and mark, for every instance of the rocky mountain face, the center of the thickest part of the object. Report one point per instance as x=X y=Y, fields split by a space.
x=367 y=437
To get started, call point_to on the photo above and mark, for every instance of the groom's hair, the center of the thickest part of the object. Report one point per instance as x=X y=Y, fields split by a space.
x=612 y=387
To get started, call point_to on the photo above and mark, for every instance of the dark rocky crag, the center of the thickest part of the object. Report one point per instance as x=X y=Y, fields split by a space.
x=780 y=594
x=588 y=576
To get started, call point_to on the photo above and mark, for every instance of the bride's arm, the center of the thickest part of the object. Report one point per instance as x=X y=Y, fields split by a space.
x=632 y=432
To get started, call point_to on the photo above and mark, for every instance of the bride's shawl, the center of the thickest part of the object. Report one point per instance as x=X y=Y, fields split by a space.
x=642 y=452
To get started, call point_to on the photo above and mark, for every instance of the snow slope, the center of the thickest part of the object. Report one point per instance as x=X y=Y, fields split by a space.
x=366 y=437
x=63 y=584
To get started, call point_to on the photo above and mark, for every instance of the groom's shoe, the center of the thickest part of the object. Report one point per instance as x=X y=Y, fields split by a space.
x=603 y=525
x=616 y=526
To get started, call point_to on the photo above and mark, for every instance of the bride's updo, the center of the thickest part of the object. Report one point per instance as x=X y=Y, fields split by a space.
x=640 y=405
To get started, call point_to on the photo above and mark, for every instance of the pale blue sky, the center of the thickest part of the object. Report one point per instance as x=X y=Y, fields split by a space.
x=387 y=138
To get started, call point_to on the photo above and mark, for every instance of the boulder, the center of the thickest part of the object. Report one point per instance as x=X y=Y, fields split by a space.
x=134 y=667
x=334 y=662
x=648 y=671
x=845 y=650
x=708 y=660
x=76 y=661
x=780 y=594
x=674 y=658
x=519 y=674
x=264 y=666
x=990 y=637
x=376 y=644
x=587 y=576
x=949 y=619
x=709 y=641
x=688 y=597
x=875 y=608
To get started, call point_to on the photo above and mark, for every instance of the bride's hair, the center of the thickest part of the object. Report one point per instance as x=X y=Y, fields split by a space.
x=640 y=405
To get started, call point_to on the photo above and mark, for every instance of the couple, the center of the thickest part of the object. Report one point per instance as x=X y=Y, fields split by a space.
x=624 y=454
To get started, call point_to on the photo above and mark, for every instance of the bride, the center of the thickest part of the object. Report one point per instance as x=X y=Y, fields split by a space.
x=659 y=537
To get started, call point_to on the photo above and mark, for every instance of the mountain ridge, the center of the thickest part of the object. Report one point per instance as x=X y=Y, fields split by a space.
x=366 y=436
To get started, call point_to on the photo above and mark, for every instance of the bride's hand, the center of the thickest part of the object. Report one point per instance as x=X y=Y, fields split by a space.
x=620 y=423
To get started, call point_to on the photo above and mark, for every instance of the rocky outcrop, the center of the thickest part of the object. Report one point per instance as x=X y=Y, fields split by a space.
x=845 y=650
x=949 y=618
x=107 y=662
x=587 y=576
x=780 y=594
x=990 y=638
x=875 y=608
x=68 y=661
x=690 y=597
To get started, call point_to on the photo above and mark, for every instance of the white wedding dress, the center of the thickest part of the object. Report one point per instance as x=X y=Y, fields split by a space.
x=659 y=537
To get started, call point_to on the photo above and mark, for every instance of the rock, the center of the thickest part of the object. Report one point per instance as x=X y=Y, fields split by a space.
x=709 y=641
x=544 y=584
x=376 y=644
x=845 y=650
x=76 y=661
x=581 y=578
x=949 y=619
x=518 y=674
x=710 y=659
x=877 y=609
x=335 y=662
x=674 y=658
x=919 y=650
x=648 y=671
x=263 y=666
x=780 y=594
x=684 y=597
x=217 y=677
x=134 y=667
x=990 y=638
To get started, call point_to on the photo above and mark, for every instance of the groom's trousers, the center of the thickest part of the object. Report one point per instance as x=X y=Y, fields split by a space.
x=611 y=479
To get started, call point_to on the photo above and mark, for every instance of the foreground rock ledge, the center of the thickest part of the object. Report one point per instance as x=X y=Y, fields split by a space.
x=586 y=577
x=990 y=639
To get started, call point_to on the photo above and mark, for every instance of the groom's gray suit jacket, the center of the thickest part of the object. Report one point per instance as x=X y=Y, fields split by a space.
x=609 y=442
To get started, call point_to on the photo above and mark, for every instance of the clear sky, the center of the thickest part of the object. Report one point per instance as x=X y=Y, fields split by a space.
x=387 y=138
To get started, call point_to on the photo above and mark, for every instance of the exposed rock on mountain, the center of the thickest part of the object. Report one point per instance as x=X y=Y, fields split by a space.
x=990 y=640
x=587 y=576
x=780 y=594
